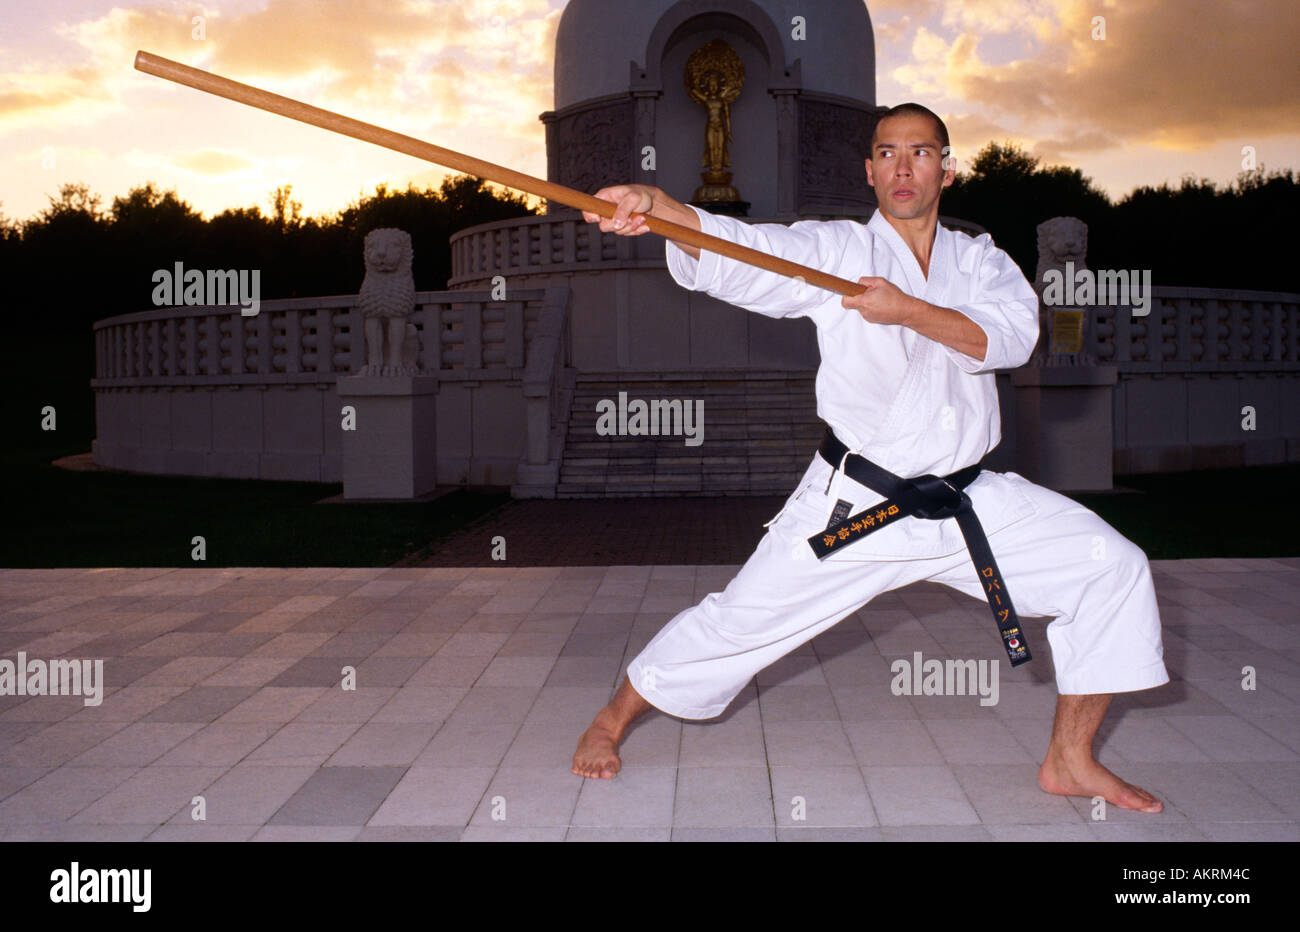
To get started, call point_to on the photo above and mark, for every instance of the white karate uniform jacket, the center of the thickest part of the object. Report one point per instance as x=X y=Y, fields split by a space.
x=906 y=402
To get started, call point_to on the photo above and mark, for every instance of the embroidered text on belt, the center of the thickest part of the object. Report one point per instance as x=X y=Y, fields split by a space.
x=931 y=497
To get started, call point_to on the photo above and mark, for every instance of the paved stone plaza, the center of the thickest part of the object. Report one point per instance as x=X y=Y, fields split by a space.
x=474 y=684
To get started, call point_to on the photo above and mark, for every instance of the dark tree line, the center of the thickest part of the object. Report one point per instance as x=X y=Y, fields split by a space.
x=100 y=262
x=1197 y=234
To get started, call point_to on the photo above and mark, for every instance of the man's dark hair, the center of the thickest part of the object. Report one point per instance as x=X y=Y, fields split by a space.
x=910 y=109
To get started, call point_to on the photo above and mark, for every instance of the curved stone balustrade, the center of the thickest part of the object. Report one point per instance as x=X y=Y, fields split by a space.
x=206 y=391
x=545 y=245
x=307 y=340
x=1202 y=330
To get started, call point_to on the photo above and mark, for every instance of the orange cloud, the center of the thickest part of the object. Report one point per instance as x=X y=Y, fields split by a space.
x=970 y=131
x=455 y=59
x=1173 y=75
x=213 y=162
x=26 y=97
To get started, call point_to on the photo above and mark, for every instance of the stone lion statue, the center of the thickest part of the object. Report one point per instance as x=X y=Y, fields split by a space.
x=387 y=299
x=1060 y=240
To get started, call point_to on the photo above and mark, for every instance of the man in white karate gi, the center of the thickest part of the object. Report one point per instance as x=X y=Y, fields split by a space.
x=906 y=381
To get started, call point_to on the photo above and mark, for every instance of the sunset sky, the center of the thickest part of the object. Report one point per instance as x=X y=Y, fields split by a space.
x=1176 y=87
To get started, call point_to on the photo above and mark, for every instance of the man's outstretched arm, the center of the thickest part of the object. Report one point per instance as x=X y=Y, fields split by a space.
x=949 y=327
x=885 y=303
x=772 y=294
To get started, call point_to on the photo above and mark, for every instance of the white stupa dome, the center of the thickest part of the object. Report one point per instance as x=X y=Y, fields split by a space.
x=599 y=40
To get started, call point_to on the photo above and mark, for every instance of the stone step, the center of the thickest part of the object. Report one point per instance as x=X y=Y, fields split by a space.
x=665 y=491
x=775 y=395
x=780 y=459
x=807 y=399
x=565 y=491
x=587 y=425
x=590 y=464
x=683 y=386
x=785 y=398
x=679 y=385
x=721 y=445
x=708 y=442
x=784 y=482
x=787 y=403
x=783 y=404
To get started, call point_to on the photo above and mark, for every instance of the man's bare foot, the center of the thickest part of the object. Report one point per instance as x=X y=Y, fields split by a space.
x=1083 y=776
x=597 y=754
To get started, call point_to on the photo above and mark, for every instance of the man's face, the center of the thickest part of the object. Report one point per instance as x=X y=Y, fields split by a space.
x=906 y=166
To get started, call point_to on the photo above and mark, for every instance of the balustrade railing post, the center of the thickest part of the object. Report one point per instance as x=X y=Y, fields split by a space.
x=171 y=355
x=238 y=344
x=262 y=327
x=515 y=334
x=293 y=341
x=213 y=355
x=569 y=242
x=325 y=340
x=473 y=334
x=155 y=349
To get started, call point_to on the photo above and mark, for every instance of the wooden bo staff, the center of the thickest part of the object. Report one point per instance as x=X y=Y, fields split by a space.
x=305 y=113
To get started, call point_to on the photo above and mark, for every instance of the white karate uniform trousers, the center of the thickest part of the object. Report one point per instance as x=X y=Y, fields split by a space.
x=1059 y=559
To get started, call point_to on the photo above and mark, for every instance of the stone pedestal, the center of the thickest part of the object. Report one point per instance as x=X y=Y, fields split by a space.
x=1064 y=426
x=536 y=481
x=393 y=453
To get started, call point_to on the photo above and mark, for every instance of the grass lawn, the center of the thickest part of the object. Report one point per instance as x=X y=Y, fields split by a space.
x=58 y=518
x=1248 y=512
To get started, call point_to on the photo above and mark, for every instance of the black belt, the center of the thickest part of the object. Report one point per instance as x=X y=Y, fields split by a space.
x=931 y=497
